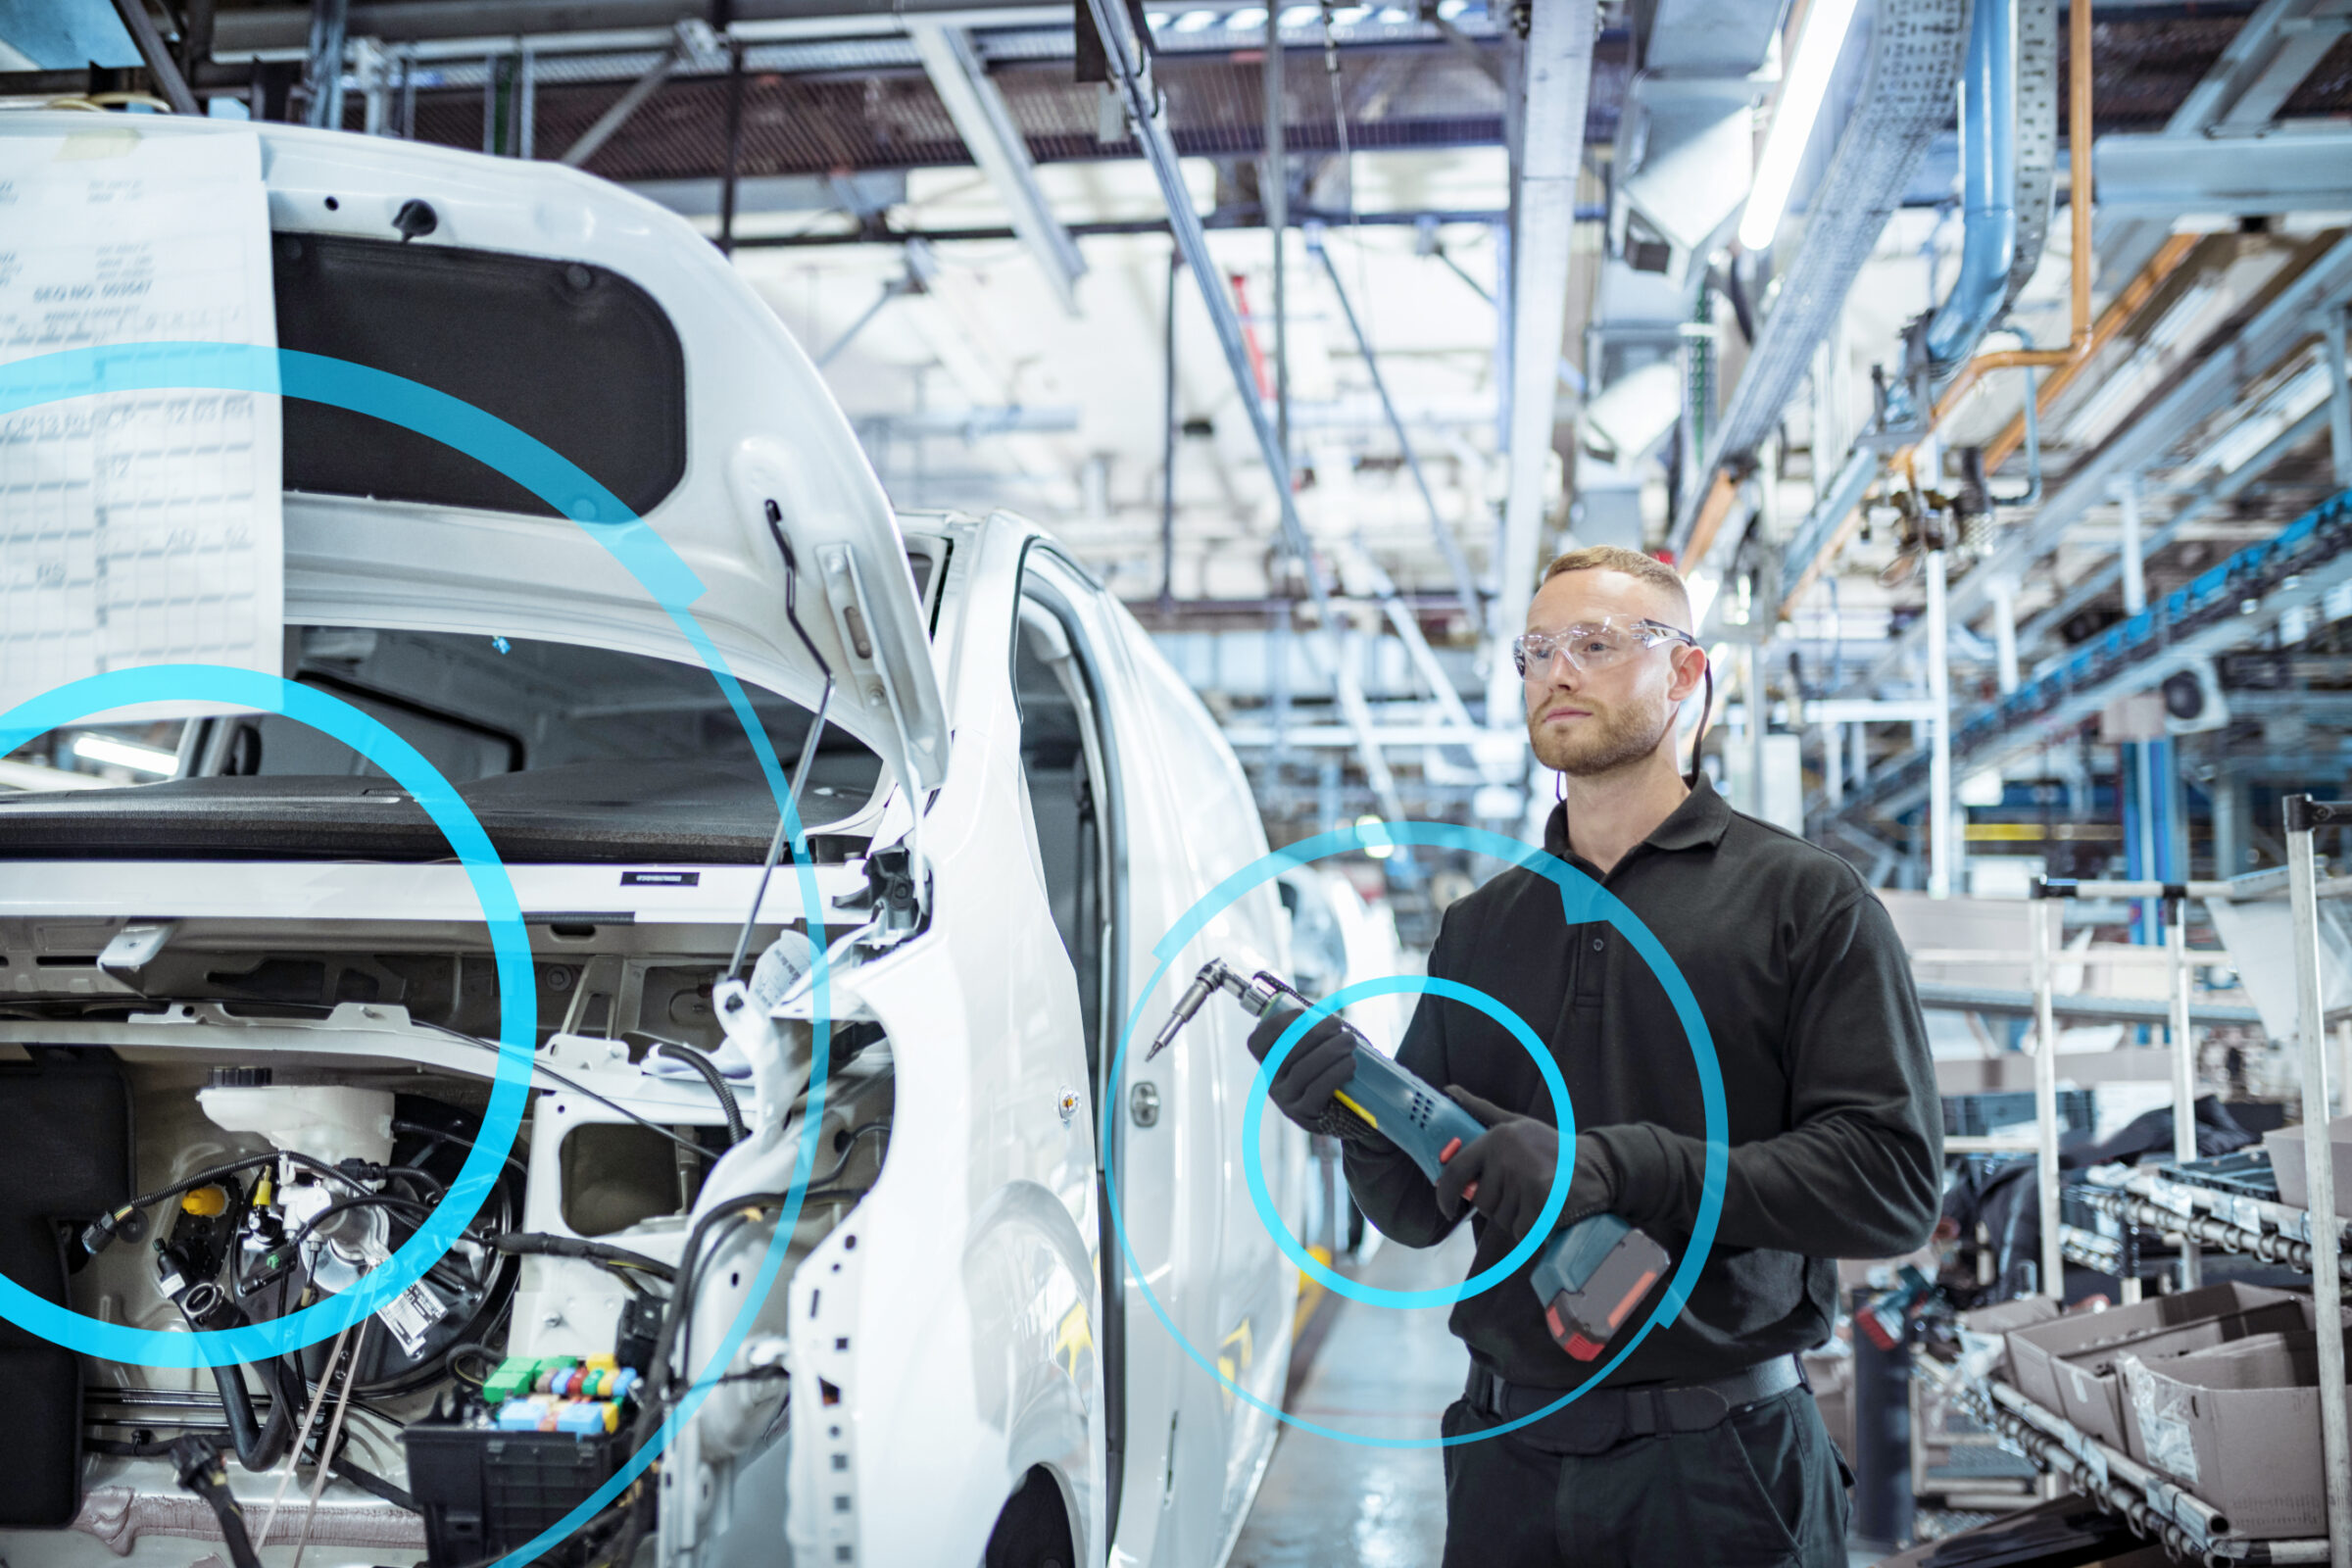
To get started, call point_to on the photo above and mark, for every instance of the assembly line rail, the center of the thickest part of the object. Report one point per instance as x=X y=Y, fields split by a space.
x=2256 y=1227
x=2154 y=1508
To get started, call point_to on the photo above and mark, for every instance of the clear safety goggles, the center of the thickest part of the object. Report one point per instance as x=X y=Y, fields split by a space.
x=1591 y=647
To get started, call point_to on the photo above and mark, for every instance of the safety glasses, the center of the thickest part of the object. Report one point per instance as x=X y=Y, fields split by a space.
x=1591 y=647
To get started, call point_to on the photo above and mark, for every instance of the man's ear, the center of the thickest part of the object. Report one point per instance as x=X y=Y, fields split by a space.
x=1690 y=670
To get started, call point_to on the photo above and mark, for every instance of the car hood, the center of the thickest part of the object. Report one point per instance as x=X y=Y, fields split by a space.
x=702 y=574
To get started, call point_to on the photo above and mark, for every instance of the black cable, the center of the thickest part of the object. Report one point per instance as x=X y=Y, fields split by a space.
x=369 y=1481
x=149 y=1447
x=542 y=1244
x=843 y=1164
x=438 y=1135
x=737 y=1132
x=196 y=1459
x=291 y=1246
x=578 y=1088
x=434 y=1191
x=101 y=1232
x=259 y=1445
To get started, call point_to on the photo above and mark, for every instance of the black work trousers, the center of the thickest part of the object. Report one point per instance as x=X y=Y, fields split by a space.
x=1763 y=1489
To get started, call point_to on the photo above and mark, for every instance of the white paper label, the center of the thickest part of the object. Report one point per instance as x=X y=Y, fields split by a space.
x=411 y=1314
x=136 y=527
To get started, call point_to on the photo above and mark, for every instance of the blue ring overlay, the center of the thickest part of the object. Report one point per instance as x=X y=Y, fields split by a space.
x=673 y=585
x=517 y=1014
x=1581 y=901
x=1254 y=1167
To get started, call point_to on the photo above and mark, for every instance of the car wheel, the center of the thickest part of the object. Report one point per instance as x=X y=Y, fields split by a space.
x=1033 y=1531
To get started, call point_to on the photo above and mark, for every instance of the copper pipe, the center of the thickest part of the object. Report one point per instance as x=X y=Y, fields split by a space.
x=2068 y=363
x=2128 y=304
x=1711 y=512
x=2083 y=337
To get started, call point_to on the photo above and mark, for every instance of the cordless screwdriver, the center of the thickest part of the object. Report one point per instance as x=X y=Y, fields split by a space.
x=1588 y=1280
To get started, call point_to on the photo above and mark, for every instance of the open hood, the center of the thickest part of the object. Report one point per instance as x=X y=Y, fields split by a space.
x=604 y=326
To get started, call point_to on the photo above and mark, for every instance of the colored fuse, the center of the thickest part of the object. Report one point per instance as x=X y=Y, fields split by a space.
x=525 y=1415
x=588 y=1417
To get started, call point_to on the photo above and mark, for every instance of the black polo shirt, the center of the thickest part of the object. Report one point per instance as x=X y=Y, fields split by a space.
x=1836 y=1134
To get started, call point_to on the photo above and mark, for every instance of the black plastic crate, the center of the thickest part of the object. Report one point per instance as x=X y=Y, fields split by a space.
x=1982 y=1116
x=484 y=1493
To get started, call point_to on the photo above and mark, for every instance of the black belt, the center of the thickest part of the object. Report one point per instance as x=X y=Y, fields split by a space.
x=1604 y=1417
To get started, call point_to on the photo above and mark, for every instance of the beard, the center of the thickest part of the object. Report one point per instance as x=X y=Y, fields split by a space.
x=1610 y=739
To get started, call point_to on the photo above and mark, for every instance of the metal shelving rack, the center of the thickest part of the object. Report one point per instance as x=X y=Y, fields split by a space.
x=2153 y=1505
x=2318 y=1247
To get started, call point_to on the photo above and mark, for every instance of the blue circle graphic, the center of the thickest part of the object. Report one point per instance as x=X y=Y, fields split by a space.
x=518 y=999
x=642 y=552
x=1254 y=1166
x=1581 y=901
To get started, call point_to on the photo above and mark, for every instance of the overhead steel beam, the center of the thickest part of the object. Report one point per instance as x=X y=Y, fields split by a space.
x=150 y=44
x=2166 y=176
x=612 y=120
x=2264 y=52
x=240 y=31
x=2279 y=326
x=1124 y=55
x=978 y=110
x=1554 y=91
x=1457 y=563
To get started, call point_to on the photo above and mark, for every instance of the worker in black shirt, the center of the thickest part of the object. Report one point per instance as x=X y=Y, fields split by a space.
x=1704 y=1447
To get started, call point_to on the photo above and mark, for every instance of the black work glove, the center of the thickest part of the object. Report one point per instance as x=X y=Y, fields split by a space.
x=1507 y=1173
x=1317 y=1069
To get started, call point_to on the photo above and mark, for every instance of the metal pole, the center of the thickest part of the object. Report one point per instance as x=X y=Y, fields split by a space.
x=1455 y=561
x=612 y=119
x=2040 y=912
x=322 y=71
x=2339 y=394
x=1167 y=467
x=1941 y=837
x=526 y=102
x=727 y=191
x=2303 y=814
x=2184 y=1070
x=1274 y=195
x=166 y=76
x=490 y=65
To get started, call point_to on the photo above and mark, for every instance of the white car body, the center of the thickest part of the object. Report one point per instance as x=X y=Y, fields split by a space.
x=949 y=1332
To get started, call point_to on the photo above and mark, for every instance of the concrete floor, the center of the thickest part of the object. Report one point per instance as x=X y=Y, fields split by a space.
x=1382 y=1372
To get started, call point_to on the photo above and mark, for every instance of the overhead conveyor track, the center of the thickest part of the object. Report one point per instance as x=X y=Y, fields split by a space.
x=2224 y=608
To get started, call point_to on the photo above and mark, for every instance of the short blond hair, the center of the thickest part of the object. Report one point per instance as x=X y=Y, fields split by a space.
x=1632 y=563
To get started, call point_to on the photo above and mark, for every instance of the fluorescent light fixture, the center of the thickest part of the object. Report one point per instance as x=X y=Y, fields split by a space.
x=1451 y=10
x=1300 y=16
x=1375 y=835
x=126 y=753
x=1801 y=92
x=1981 y=789
x=1194 y=20
x=2252 y=432
x=1246 y=18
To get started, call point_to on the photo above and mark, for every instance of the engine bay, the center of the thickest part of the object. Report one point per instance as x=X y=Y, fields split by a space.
x=231 y=1130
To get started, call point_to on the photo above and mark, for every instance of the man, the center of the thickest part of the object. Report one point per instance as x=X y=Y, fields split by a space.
x=1704 y=1447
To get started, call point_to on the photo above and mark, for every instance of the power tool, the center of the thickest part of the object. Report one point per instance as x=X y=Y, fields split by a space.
x=1588 y=1280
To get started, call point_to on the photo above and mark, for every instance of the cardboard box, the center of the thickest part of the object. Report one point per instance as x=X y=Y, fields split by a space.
x=2286 y=1149
x=2238 y=1426
x=2003 y=1317
x=2068 y=1366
